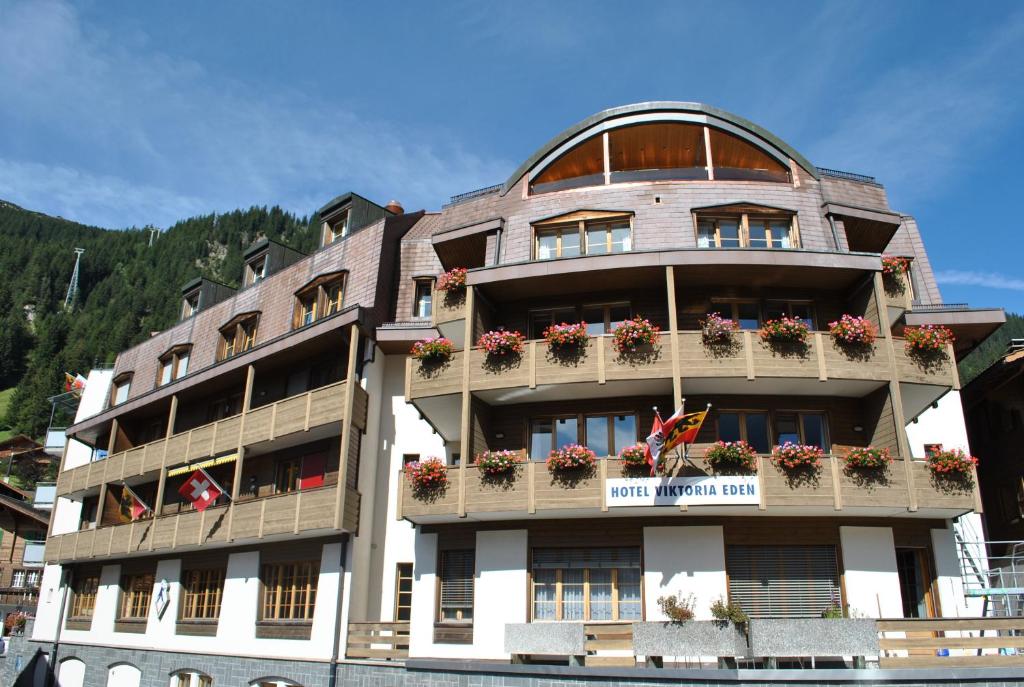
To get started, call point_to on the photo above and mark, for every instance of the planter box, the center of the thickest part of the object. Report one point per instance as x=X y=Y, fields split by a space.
x=690 y=638
x=813 y=637
x=560 y=639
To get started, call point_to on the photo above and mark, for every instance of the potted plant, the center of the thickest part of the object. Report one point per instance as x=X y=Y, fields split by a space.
x=895 y=265
x=433 y=350
x=683 y=635
x=853 y=331
x=717 y=330
x=632 y=334
x=565 y=336
x=928 y=339
x=454 y=280
x=868 y=458
x=496 y=463
x=731 y=455
x=571 y=457
x=790 y=456
x=634 y=457
x=500 y=343
x=952 y=463
x=785 y=330
x=427 y=475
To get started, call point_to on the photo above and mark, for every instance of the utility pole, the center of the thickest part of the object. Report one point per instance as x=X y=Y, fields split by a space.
x=72 y=294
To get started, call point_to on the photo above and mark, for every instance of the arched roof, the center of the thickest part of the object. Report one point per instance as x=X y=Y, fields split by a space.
x=653 y=112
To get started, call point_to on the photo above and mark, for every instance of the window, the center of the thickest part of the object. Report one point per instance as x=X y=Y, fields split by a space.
x=746 y=231
x=287 y=477
x=336 y=228
x=585 y=236
x=783 y=581
x=18 y=579
x=603 y=319
x=800 y=310
x=174 y=364
x=457 y=569
x=190 y=305
x=751 y=427
x=422 y=303
x=548 y=434
x=33 y=579
x=238 y=336
x=586 y=584
x=606 y=435
x=256 y=270
x=542 y=319
x=189 y=679
x=136 y=592
x=83 y=600
x=122 y=385
x=201 y=594
x=746 y=313
x=289 y=590
x=403 y=592
x=318 y=299
x=410 y=458
x=802 y=428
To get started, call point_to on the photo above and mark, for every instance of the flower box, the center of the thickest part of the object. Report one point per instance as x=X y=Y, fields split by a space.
x=790 y=456
x=501 y=343
x=927 y=339
x=632 y=334
x=634 y=456
x=785 y=330
x=498 y=462
x=434 y=349
x=571 y=457
x=564 y=336
x=868 y=458
x=894 y=265
x=688 y=638
x=452 y=280
x=427 y=475
x=717 y=330
x=731 y=455
x=784 y=637
x=951 y=463
x=852 y=330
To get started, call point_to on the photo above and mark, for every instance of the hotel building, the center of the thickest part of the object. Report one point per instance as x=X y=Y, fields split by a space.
x=298 y=395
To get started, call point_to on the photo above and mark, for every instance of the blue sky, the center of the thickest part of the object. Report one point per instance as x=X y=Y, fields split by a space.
x=128 y=113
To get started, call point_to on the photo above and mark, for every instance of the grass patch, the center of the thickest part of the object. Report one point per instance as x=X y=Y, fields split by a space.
x=5 y=402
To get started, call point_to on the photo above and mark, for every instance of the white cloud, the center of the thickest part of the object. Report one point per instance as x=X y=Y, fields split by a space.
x=146 y=137
x=989 y=280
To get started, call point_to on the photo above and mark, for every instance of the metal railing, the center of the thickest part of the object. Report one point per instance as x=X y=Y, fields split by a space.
x=919 y=306
x=470 y=195
x=993 y=570
x=849 y=176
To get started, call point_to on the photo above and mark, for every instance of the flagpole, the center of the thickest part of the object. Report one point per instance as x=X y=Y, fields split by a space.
x=215 y=483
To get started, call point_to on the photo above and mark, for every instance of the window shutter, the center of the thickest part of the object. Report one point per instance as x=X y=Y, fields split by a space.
x=783 y=581
x=626 y=557
x=457 y=569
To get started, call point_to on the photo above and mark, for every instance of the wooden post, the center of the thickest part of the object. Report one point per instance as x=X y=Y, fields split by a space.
x=465 y=428
x=114 y=429
x=158 y=507
x=236 y=483
x=673 y=335
x=346 y=424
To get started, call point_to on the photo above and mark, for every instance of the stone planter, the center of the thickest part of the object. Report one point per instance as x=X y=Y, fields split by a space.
x=690 y=638
x=773 y=638
x=551 y=639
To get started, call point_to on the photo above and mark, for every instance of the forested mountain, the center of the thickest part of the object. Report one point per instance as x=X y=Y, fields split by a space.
x=992 y=349
x=129 y=285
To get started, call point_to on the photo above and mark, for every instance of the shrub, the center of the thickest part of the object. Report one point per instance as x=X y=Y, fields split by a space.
x=634 y=456
x=427 y=475
x=951 y=463
x=728 y=612
x=502 y=342
x=793 y=456
x=785 y=330
x=929 y=338
x=868 y=458
x=895 y=265
x=717 y=330
x=678 y=610
x=737 y=454
x=498 y=462
x=452 y=280
x=634 y=333
x=571 y=457
x=853 y=330
x=433 y=349
x=566 y=335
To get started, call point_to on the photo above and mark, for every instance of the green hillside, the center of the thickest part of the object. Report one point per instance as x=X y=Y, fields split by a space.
x=129 y=287
x=992 y=349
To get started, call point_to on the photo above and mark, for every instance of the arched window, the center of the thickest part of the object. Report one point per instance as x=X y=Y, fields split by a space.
x=123 y=675
x=190 y=678
x=273 y=682
x=72 y=673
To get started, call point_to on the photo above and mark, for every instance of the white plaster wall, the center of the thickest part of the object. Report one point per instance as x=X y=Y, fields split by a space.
x=93 y=401
x=948 y=582
x=48 y=610
x=683 y=561
x=872 y=581
x=500 y=593
x=67 y=515
x=424 y=603
x=941 y=425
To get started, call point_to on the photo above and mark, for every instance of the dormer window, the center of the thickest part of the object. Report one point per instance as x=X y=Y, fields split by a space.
x=336 y=227
x=238 y=336
x=256 y=270
x=746 y=227
x=190 y=305
x=122 y=385
x=173 y=364
x=422 y=303
x=319 y=299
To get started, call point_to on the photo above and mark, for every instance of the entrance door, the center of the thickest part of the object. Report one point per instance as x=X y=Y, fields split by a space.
x=915 y=583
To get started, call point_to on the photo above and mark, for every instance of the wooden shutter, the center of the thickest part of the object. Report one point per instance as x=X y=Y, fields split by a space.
x=783 y=581
x=312 y=473
x=623 y=557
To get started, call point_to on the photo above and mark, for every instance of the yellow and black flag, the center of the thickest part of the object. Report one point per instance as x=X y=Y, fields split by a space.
x=131 y=507
x=682 y=429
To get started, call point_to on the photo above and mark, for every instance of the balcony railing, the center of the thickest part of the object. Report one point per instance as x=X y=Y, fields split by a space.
x=45 y=494
x=287 y=416
x=531 y=491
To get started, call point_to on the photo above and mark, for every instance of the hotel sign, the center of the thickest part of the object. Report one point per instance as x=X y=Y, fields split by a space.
x=707 y=490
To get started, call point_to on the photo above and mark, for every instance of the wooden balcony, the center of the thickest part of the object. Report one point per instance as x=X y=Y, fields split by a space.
x=804 y=369
x=295 y=414
x=297 y=512
x=905 y=488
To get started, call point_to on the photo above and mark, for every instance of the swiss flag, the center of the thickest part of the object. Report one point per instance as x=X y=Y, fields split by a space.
x=200 y=490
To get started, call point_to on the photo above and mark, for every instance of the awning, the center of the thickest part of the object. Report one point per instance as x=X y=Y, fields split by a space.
x=208 y=463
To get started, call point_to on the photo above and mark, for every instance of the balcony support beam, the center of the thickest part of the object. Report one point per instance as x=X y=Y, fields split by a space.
x=236 y=483
x=346 y=425
x=465 y=438
x=673 y=328
x=158 y=505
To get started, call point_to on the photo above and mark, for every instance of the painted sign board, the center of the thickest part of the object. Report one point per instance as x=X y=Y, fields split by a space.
x=705 y=490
